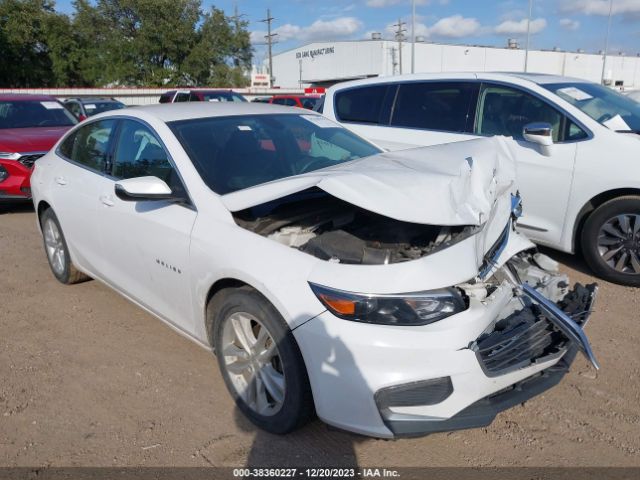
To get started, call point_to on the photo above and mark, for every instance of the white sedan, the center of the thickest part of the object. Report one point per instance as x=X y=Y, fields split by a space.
x=389 y=293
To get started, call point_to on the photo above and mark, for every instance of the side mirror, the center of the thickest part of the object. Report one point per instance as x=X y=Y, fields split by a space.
x=144 y=188
x=540 y=133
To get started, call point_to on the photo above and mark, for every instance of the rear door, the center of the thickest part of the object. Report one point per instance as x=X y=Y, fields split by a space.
x=411 y=113
x=146 y=243
x=76 y=194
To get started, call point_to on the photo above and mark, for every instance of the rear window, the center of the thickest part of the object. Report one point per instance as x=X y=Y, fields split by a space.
x=447 y=106
x=361 y=104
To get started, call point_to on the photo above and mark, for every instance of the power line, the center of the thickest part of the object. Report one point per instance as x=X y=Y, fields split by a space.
x=400 y=37
x=269 y=37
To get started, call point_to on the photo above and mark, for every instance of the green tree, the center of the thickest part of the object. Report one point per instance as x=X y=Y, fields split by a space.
x=222 y=53
x=24 y=57
x=121 y=42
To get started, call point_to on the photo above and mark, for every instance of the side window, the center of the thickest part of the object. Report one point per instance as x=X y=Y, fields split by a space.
x=89 y=145
x=193 y=97
x=505 y=111
x=362 y=105
x=138 y=153
x=181 y=97
x=436 y=106
x=279 y=101
x=74 y=107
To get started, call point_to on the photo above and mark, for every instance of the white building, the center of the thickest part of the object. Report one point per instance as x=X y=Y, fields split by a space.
x=325 y=63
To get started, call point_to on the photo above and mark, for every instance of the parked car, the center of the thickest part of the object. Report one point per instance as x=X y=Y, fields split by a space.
x=83 y=108
x=387 y=292
x=310 y=102
x=634 y=95
x=29 y=126
x=261 y=99
x=575 y=201
x=174 y=96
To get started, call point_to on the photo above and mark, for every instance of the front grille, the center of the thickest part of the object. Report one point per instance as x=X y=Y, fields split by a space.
x=28 y=159
x=517 y=341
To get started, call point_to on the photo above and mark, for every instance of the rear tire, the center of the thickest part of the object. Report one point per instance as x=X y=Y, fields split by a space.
x=611 y=241
x=260 y=361
x=55 y=247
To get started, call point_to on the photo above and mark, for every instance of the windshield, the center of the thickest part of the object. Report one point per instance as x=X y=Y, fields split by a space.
x=604 y=105
x=30 y=113
x=223 y=97
x=233 y=153
x=93 y=108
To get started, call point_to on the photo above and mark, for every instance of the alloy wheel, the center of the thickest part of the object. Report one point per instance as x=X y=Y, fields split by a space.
x=619 y=243
x=55 y=246
x=253 y=363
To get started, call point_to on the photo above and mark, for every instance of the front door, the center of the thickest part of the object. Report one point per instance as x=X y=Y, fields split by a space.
x=544 y=181
x=146 y=243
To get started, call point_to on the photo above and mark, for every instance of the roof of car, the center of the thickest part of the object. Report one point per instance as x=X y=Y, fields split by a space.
x=538 y=78
x=17 y=97
x=169 y=112
x=545 y=78
x=96 y=99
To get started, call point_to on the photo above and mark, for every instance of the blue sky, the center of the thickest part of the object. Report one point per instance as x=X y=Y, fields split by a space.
x=566 y=24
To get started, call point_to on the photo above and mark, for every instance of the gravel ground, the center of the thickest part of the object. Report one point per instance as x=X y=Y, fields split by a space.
x=89 y=379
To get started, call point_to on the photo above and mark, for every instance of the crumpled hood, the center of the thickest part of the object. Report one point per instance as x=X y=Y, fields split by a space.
x=452 y=184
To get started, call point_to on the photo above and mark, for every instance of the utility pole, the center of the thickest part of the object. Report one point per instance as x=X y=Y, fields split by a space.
x=236 y=22
x=526 y=52
x=269 y=36
x=400 y=37
x=606 y=42
x=413 y=36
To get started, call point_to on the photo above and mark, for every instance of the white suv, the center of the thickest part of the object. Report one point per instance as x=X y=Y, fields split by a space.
x=578 y=170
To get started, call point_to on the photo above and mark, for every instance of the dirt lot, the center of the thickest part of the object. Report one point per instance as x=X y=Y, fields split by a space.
x=87 y=378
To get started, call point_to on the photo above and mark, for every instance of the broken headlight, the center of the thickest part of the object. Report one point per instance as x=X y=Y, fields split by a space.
x=420 y=308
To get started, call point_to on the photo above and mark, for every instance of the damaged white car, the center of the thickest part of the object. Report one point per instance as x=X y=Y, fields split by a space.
x=387 y=292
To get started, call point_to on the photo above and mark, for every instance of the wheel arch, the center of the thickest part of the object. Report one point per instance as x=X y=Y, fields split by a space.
x=42 y=206
x=591 y=206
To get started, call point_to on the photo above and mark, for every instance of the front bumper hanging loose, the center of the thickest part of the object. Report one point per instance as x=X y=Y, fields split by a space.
x=563 y=321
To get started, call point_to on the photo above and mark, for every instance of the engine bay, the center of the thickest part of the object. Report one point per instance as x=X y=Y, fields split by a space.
x=331 y=229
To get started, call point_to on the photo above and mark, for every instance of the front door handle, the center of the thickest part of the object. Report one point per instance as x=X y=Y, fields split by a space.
x=107 y=200
x=61 y=181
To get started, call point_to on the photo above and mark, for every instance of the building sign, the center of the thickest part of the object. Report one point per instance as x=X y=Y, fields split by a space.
x=316 y=52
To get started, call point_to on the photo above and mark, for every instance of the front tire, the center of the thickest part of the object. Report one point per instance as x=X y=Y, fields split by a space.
x=260 y=361
x=611 y=241
x=57 y=251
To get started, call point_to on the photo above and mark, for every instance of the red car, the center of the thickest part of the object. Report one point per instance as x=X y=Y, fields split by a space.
x=310 y=102
x=29 y=126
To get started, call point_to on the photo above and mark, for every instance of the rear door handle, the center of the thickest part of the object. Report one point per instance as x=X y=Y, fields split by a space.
x=107 y=200
x=61 y=181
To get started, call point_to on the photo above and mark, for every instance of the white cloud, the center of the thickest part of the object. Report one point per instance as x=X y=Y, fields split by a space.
x=569 y=24
x=390 y=3
x=600 y=7
x=455 y=26
x=319 y=30
x=382 y=3
x=513 y=27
